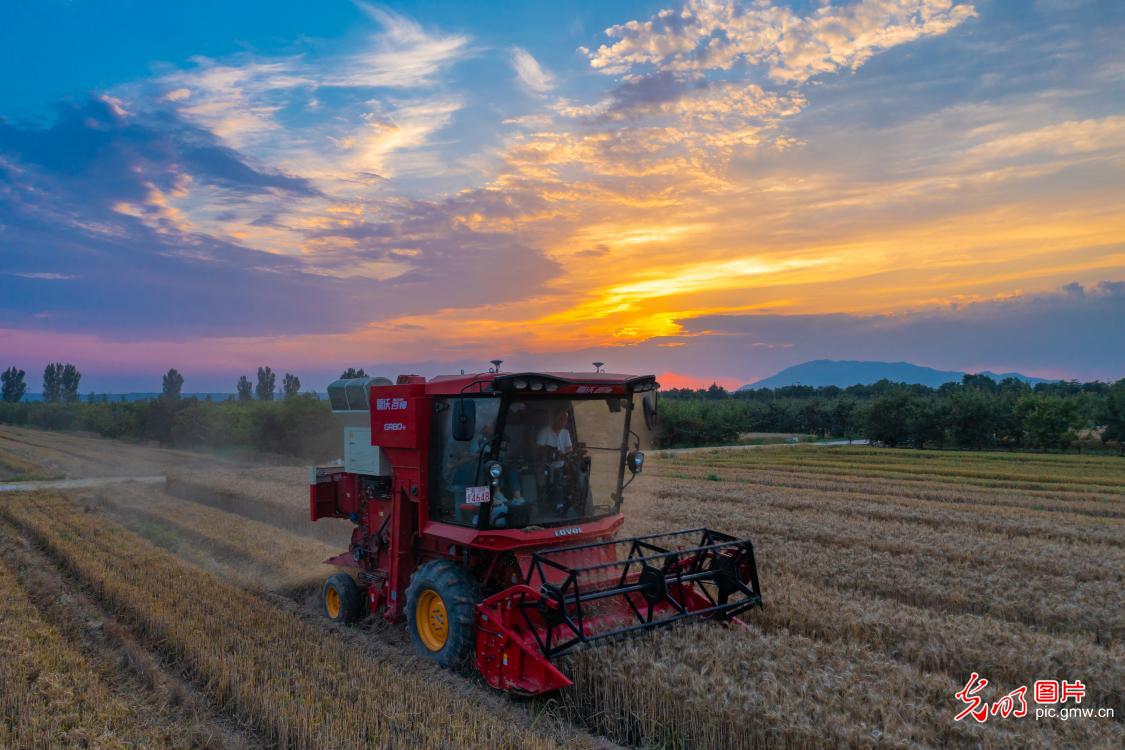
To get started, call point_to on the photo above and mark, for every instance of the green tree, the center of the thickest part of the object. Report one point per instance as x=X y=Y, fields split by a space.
x=972 y=416
x=267 y=383
x=173 y=384
x=291 y=385
x=816 y=418
x=69 y=379
x=979 y=383
x=352 y=372
x=844 y=421
x=715 y=392
x=52 y=382
x=13 y=387
x=1048 y=421
x=245 y=390
x=1009 y=428
x=926 y=420
x=888 y=420
x=1113 y=416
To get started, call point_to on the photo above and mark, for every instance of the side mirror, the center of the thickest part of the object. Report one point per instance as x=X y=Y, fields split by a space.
x=648 y=404
x=636 y=461
x=464 y=419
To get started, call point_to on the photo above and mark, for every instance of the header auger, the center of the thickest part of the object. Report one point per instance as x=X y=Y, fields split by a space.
x=486 y=510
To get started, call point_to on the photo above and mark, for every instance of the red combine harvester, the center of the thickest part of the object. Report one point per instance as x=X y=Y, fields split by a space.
x=486 y=510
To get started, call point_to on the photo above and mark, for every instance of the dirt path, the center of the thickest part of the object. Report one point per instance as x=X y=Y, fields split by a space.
x=713 y=448
x=77 y=484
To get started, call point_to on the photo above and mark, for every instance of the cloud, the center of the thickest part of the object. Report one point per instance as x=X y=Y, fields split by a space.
x=404 y=55
x=718 y=35
x=530 y=74
x=687 y=102
x=109 y=202
x=381 y=90
x=103 y=157
x=45 y=276
x=271 y=206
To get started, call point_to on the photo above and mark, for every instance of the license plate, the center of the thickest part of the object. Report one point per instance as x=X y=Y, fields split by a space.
x=476 y=495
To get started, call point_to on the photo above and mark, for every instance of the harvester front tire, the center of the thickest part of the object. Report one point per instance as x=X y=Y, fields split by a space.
x=340 y=598
x=440 y=612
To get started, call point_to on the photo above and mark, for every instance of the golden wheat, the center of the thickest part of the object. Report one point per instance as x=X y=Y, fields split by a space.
x=264 y=555
x=298 y=684
x=51 y=696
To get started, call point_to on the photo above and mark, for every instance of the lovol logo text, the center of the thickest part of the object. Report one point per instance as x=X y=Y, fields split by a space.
x=574 y=530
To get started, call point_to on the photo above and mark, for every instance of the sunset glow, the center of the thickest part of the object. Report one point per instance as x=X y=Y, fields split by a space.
x=711 y=190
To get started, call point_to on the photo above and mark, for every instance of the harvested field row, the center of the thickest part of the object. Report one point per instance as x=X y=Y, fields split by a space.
x=13 y=468
x=281 y=504
x=708 y=687
x=956 y=645
x=75 y=455
x=1077 y=502
x=845 y=471
x=674 y=513
x=255 y=555
x=1018 y=464
x=811 y=599
x=1106 y=476
x=267 y=557
x=809 y=602
x=51 y=696
x=851 y=523
x=1054 y=604
x=314 y=692
x=1012 y=522
x=129 y=666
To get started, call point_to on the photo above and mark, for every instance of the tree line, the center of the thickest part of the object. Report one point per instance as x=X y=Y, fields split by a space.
x=976 y=413
x=60 y=385
x=299 y=424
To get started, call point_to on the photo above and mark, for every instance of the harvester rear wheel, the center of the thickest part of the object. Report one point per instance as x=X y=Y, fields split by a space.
x=440 y=609
x=340 y=598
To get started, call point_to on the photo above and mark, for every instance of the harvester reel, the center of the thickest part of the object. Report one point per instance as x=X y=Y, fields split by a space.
x=654 y=587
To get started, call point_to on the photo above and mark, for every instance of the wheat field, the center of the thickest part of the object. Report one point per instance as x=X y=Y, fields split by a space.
x=888 y=577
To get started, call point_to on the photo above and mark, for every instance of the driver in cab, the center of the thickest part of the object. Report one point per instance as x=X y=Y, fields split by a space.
x=556 y=436
x=555 y=442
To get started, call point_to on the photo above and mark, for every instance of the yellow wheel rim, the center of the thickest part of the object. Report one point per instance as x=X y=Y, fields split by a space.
x=430 y=618
x=332 y=602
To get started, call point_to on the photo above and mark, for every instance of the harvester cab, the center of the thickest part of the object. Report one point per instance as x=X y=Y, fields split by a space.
x=486 y=510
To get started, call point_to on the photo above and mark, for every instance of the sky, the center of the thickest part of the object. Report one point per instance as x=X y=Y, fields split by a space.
x=708 y=191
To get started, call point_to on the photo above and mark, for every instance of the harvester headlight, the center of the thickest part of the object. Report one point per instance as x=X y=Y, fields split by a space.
x=537 y=385
x=495 y=470
x=519 y=384
x=551 y=387
x=636 y=461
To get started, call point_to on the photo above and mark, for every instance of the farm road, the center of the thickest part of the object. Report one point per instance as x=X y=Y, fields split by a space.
x=76 y=484
x=823 y=444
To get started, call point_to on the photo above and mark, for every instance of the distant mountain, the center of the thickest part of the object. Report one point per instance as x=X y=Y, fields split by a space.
x=842 y=373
